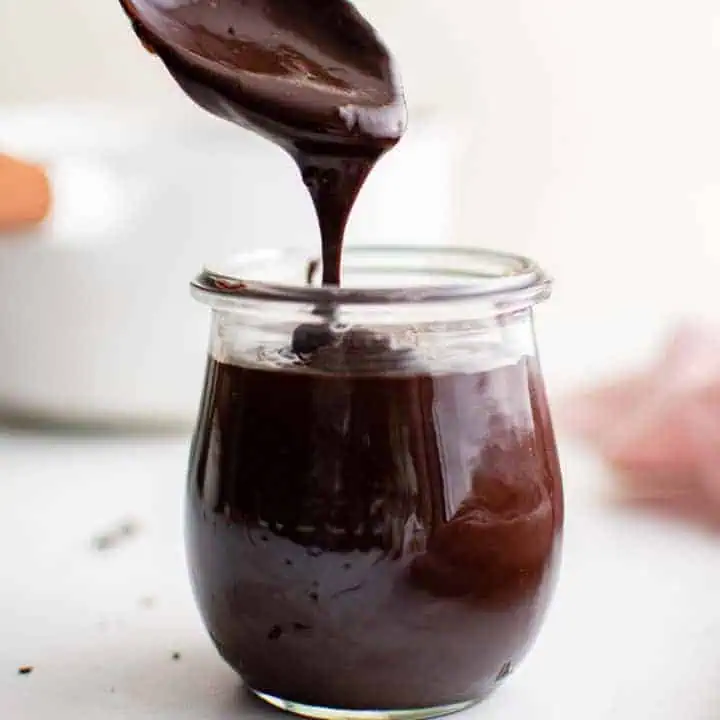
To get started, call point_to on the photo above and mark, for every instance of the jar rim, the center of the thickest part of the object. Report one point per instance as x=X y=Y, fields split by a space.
x=474 y=273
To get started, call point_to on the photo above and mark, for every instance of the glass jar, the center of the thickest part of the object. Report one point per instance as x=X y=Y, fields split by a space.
x=374 y=503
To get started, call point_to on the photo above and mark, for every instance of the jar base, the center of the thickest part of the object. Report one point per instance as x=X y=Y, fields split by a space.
x=325 y=713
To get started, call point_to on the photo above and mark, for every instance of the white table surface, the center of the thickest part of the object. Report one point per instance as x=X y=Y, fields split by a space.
x=633 y=633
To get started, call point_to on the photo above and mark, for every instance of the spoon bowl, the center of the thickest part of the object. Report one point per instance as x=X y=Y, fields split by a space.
x=306 y=73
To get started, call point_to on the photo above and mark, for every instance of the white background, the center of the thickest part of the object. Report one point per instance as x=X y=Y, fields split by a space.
x=595 y=124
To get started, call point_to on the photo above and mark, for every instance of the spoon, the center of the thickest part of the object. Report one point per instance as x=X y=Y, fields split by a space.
x=308 y=74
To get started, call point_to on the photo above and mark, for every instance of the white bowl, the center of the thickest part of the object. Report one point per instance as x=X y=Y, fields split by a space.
x=96 y=324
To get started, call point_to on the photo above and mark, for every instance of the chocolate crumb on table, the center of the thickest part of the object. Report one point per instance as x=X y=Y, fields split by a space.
x=25 y=669
x=115 y=536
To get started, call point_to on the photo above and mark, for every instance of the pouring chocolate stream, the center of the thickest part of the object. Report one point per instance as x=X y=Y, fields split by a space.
x=310 y=75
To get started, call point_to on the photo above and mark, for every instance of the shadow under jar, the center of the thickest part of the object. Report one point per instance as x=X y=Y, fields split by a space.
x=374 y=502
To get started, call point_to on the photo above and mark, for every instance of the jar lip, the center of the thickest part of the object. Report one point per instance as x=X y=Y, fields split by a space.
x=476 y=273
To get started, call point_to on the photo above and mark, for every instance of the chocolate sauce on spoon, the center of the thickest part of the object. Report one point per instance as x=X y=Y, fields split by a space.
x=311 y=75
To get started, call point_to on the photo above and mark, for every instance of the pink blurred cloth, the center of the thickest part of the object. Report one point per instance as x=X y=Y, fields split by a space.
x=659 y=428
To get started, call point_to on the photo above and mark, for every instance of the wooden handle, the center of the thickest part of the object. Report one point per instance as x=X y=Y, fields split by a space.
x=25 y=195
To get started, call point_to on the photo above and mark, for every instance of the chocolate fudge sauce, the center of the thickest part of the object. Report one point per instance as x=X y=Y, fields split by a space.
x=362 y=539
x=310 y=75
x=365 y=530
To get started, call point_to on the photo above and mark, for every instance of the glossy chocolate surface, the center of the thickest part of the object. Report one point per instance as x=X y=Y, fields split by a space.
x=373 y=541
